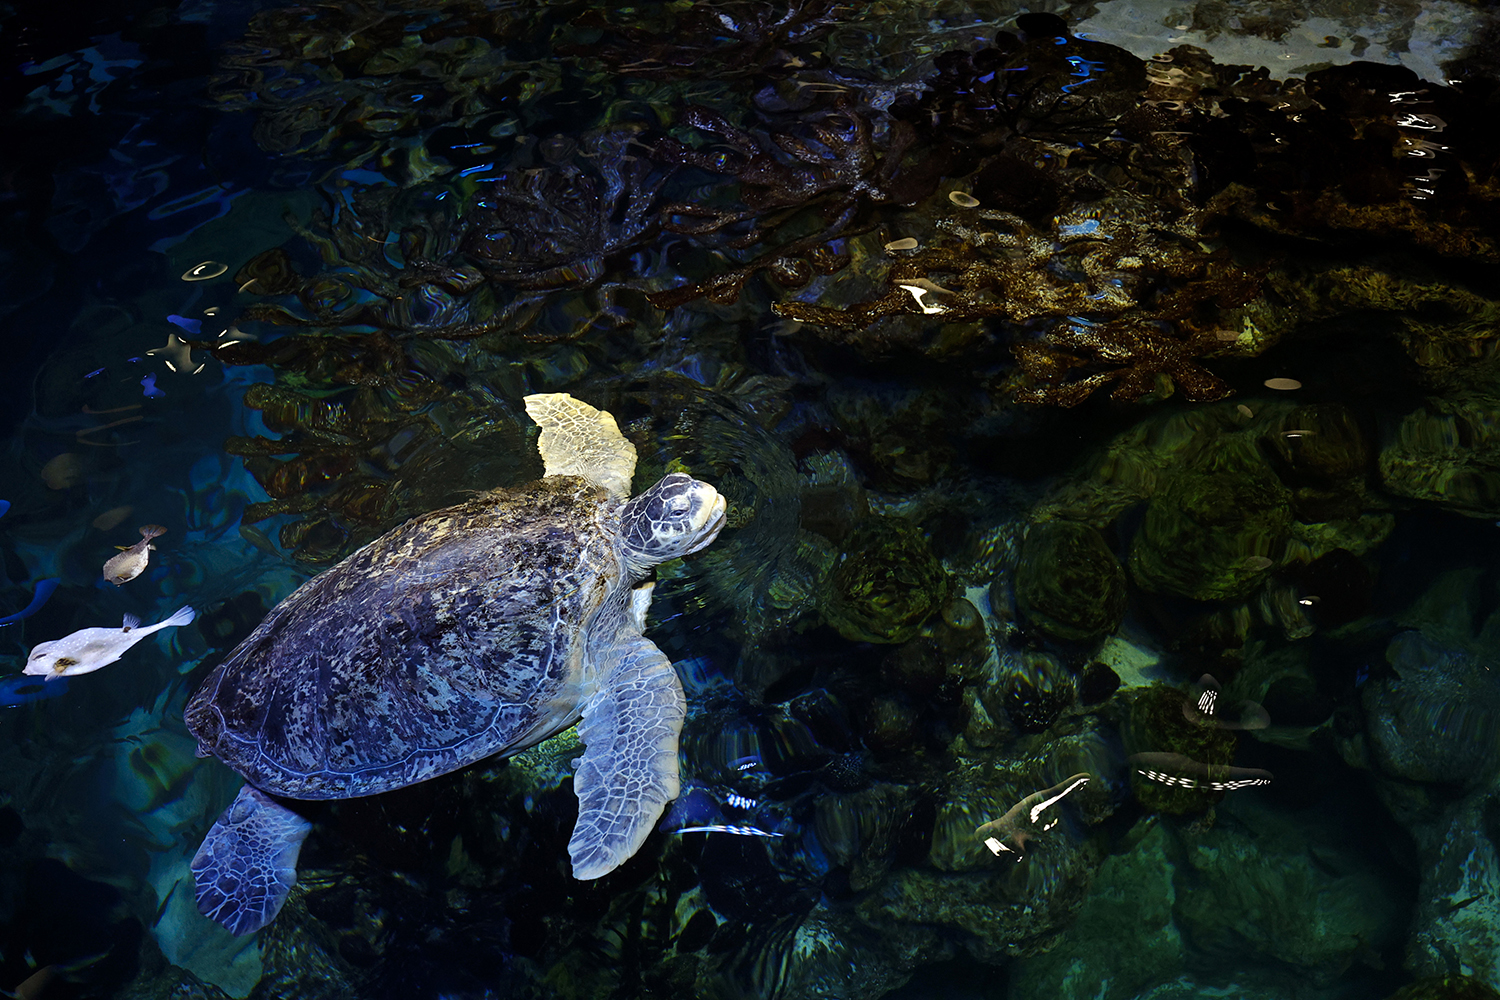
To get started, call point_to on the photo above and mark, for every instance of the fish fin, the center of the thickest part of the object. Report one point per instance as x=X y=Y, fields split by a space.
x=151 y=530
x=124 y=548
x=182 y=616
x=131 y=621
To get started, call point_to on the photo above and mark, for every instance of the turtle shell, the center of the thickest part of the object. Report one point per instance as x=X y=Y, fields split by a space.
x=458 y=635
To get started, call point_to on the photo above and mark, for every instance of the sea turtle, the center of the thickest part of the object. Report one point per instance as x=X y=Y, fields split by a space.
x=470 y=631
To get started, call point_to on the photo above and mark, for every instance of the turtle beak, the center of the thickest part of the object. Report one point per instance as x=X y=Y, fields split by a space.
x=710 y=513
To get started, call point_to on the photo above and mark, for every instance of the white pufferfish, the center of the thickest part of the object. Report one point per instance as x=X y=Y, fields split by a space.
x=88 y=649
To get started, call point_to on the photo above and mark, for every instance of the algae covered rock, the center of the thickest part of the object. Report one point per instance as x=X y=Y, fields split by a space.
x=1212 y=531
x=1447 y=452
x=886 y=584
x=1069 y=583
x=1124 y=939
x=1446 y=988
x=1321 y=445
x=1438 y=719
x=1035 y=690
x=1263 y=885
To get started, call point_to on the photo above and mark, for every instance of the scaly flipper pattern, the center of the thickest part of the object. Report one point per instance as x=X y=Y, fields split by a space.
x=248 y=862
x=578 y=440
x=628 y=771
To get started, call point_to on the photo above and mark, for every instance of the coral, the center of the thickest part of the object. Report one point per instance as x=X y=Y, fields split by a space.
x=367 y=82
x=1447 y=452
x=1068 y=582
x=832 y=166
x=1364 y=152
x=1116 y=296
x=1446 y=328
x=1435 y=720
x=739 y=38
x=1213 y=530
x=421 y=264
x=1048 y=85
x=886 y=583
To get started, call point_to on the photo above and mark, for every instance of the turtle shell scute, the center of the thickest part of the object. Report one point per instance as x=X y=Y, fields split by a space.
x=456 y=636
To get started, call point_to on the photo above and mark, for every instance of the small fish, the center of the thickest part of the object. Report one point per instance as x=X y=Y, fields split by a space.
x=112 y=518
x=39 y=597
x=88 y=649
x=1025 y=821
x=743 y=831
x=18 y=689
x=37 y=984
x=148 y=386
x=131 y=562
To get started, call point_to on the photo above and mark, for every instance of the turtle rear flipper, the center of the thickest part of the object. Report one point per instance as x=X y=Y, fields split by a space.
x=248 y=862
x=628 y=771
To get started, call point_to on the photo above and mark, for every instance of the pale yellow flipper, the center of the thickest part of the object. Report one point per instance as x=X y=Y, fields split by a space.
x=578 y=440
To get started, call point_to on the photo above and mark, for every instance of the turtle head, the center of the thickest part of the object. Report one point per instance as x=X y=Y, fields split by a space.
x=676 y=517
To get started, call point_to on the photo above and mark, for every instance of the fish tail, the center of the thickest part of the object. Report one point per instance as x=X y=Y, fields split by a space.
x=149 y=531
x=182 y=616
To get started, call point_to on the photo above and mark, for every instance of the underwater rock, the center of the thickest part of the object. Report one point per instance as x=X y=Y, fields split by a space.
x=1124 y=938
x=886 y=584
x=1211 y=532
x=1437 y=720
x=1068 y=582
x=1321 y=445
x=1334 y=903
x=1035 y=689
x=1447 y=452
x=1098 y=683
x=1446 y=988
x=832 y=954
x=898 y=437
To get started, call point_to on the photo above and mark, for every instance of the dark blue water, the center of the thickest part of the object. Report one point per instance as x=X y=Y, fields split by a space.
x=1108 y=426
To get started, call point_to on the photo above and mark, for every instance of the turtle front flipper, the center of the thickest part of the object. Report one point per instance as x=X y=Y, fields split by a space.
x=248 y=862
x=628 y=771
x=578 y=440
